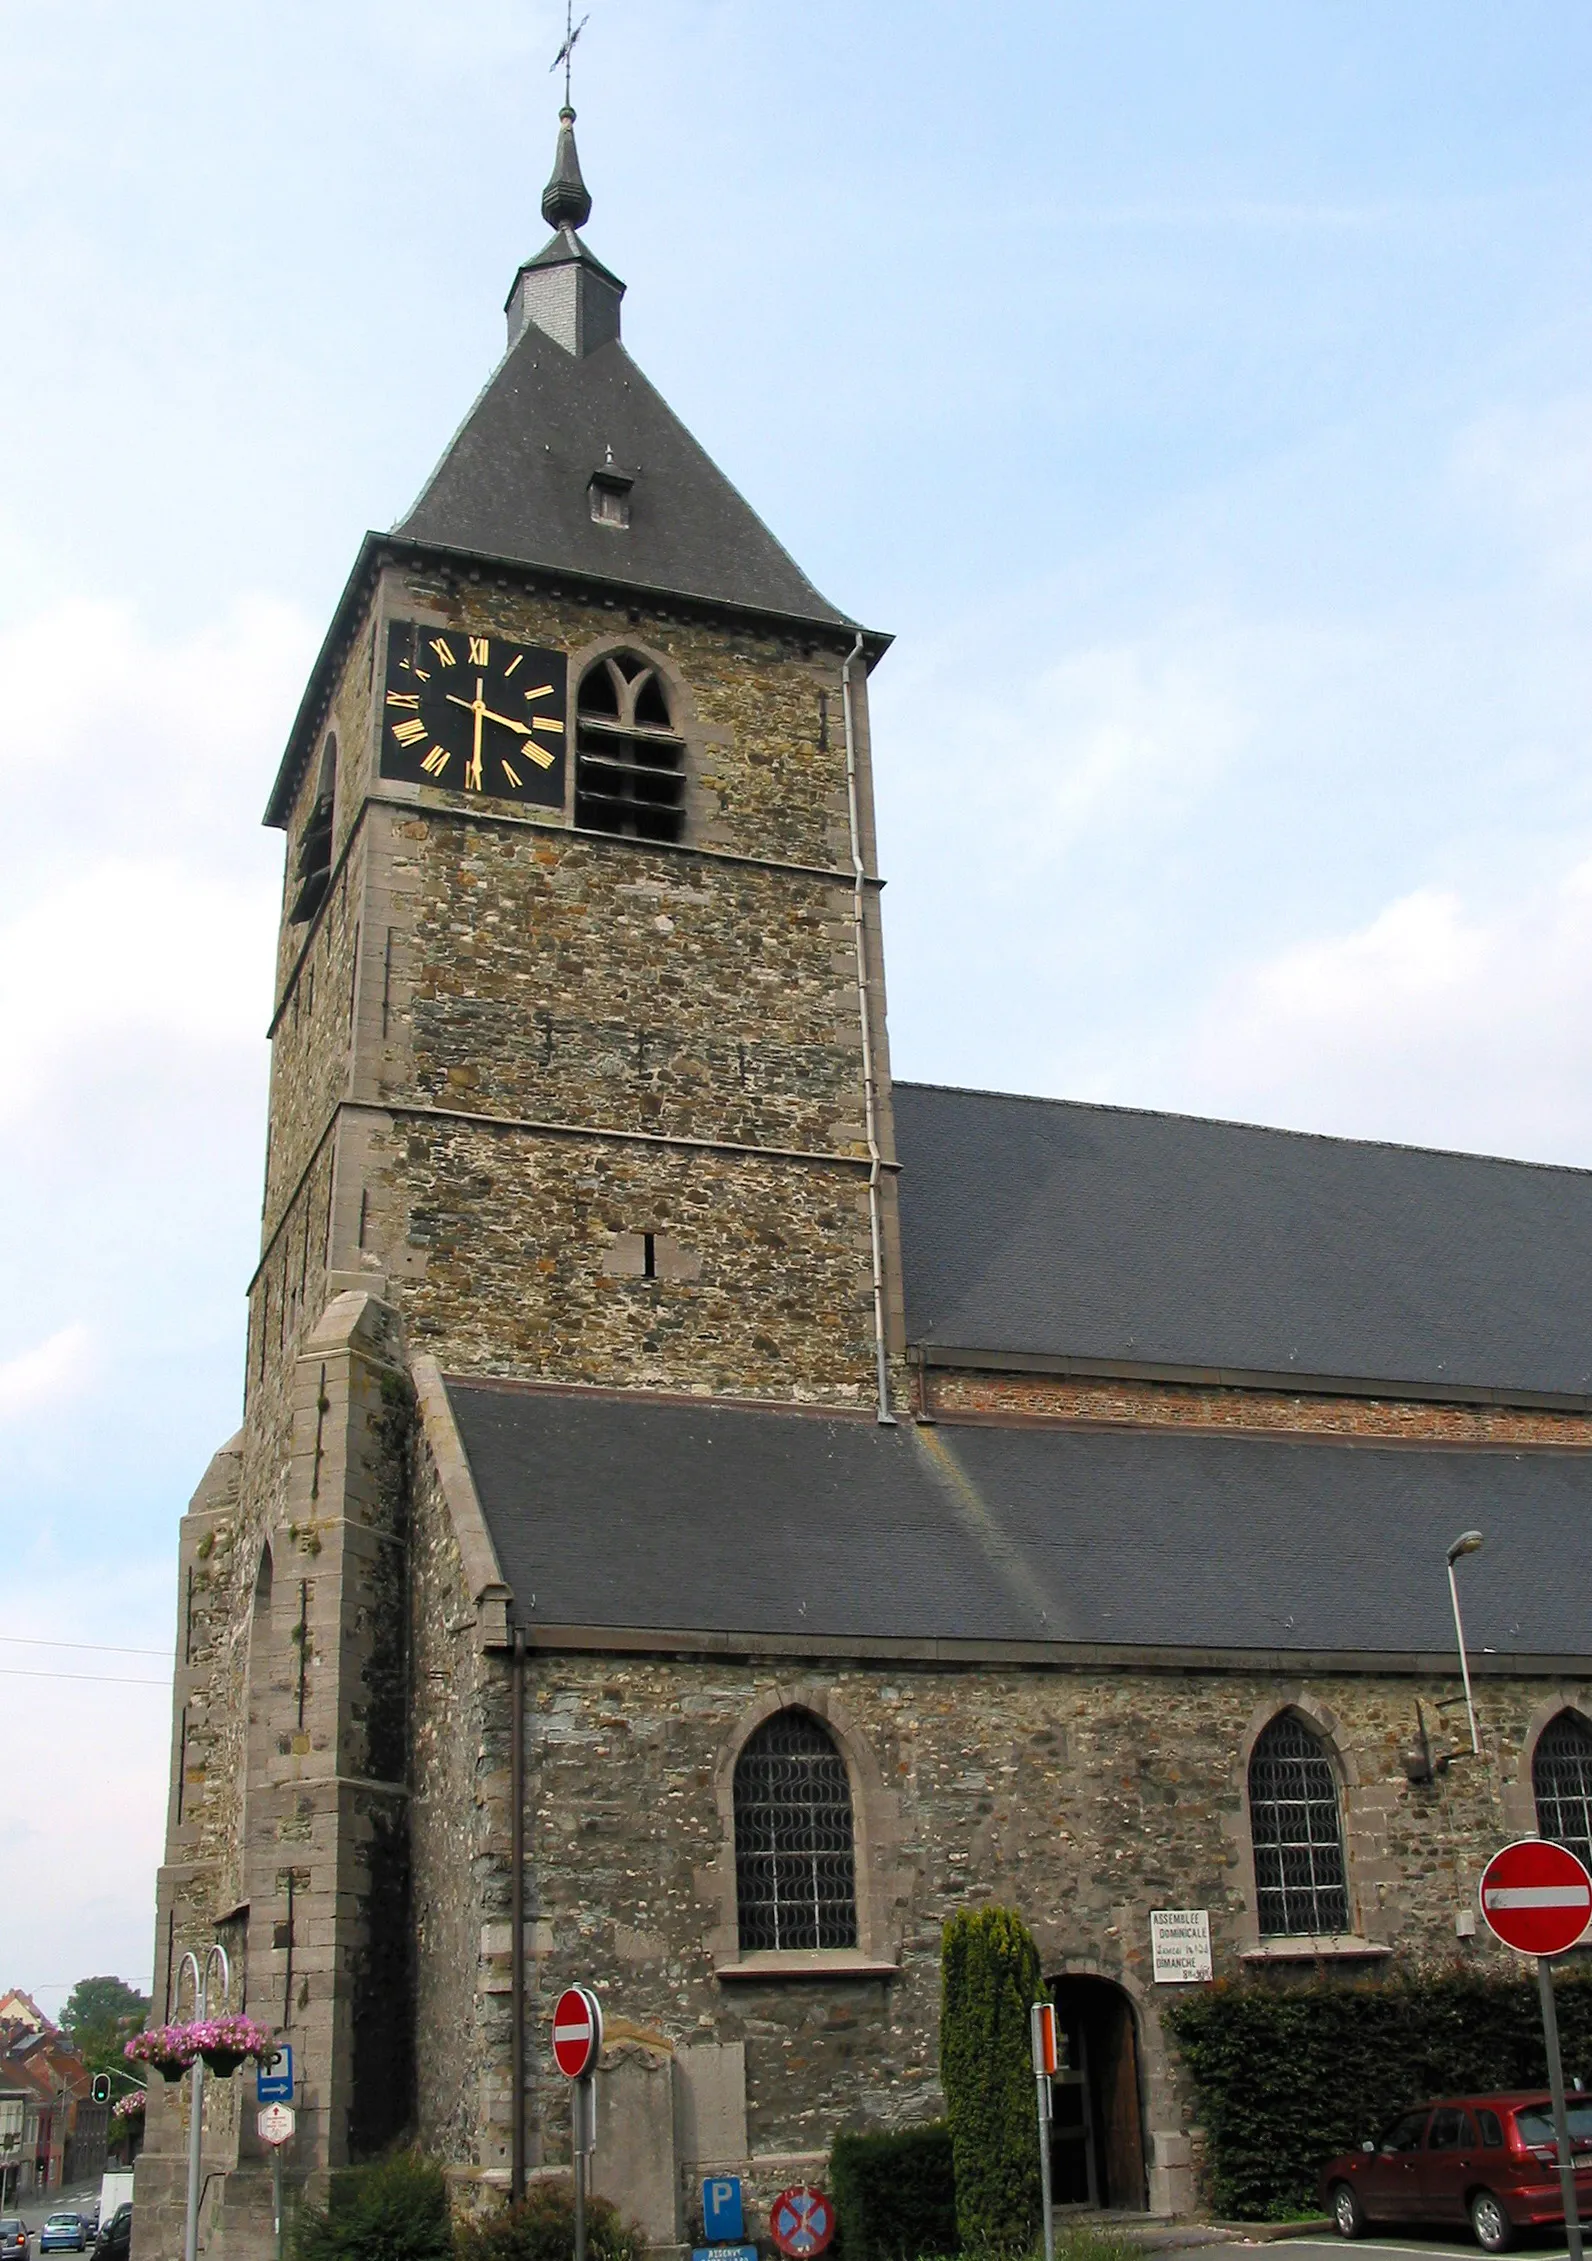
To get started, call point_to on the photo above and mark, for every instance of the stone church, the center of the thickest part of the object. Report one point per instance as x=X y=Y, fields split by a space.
x=705 y=1511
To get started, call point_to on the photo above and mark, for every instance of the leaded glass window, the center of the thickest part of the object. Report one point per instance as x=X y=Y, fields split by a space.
x=1297 y=1831
x=795 y=1863
x=1561 y=1776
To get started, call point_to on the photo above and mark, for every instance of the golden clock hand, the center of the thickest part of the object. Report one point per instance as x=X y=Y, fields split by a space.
x=473 y=774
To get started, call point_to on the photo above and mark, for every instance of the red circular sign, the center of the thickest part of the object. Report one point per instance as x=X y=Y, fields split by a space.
x=1536 y=1897
x=801 y=2221
x=577 y=2031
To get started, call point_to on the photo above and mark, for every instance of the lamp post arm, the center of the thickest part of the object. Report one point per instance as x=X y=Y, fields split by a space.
x=1464 y=1662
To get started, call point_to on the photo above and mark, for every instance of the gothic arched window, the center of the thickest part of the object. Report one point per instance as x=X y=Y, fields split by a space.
x=1297 y=1831
x=629 y=758
x=795 y=1860
x=1561 y=1776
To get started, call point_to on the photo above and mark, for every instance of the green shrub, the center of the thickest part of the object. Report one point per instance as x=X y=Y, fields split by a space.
x=895 y=2195
x=542 y=2228
x=989 y=1973
x=1285 y=2078
x=394 y=2210
x=1087 y=2241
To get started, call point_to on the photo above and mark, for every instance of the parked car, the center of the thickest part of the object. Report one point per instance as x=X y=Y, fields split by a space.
x=115 y=2238
x=14 y=2241
x=1488 y=2160
x=63 y=2233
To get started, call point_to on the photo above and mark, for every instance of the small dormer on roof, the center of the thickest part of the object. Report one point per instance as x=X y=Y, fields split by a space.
x=569 y=295
x=609 y=489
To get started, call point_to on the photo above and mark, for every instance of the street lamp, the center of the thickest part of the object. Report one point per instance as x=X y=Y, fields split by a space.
x=1468 y=1542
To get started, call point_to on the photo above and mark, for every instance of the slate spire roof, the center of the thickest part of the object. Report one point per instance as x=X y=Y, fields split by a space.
x=515 y=483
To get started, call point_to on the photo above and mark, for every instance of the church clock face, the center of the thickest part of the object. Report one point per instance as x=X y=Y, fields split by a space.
x=474 y=713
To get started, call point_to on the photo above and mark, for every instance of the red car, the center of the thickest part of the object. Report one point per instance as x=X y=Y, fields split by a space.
x=1488 y=2160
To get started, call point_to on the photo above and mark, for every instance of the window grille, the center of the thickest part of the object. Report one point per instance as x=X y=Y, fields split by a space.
x=1561 y=1776
x=629 y=760
x=795 y=1862
x=1297 y=1832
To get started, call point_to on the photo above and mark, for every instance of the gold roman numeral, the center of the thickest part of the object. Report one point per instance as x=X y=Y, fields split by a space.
x=437 y=760
x=472 y=774
x=510 y=772
x=546 y=722
x=443 y=650
x=480 y=651
x=543 y=756
x=541 y=691
x=515 y=662
x=403 y=698
x=407 y=732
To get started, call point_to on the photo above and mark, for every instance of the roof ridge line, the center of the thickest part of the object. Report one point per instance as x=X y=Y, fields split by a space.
x=1234 y=1122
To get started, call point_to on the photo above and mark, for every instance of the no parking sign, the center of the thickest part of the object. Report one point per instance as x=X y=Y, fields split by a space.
x=801 y=2222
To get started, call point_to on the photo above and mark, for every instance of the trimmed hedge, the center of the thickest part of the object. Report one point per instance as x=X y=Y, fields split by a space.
x=989 y=1978
x=895 y=2195
x=1286 y=2077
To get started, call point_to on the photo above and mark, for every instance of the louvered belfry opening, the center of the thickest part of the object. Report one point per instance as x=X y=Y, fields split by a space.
x=1561 y=1777
x=795 y=1859
x=629 y=759
x=1296 y=1828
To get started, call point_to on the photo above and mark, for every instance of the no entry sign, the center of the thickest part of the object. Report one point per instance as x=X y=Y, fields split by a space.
x=801 y=2222
x=577 y=2032
x=1536 y=1897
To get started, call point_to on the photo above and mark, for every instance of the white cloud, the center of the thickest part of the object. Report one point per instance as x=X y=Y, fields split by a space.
x=1440 y=1018
x=54 y=1369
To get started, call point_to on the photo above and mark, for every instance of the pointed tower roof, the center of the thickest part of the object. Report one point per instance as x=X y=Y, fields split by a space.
x=516 y=482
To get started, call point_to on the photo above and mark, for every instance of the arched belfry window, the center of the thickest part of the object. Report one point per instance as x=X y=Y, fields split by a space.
x=795 y=1856
x=629 y=758
x=1561 y=1776
x=1296 y=1828
x=314 y=869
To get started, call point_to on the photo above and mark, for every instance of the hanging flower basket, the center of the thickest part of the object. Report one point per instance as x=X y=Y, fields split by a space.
x=225 y=2042
x=131 y=2106
x=171 y=2049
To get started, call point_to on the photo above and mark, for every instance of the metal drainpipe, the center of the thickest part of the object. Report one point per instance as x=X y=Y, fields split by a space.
x=517 y=1912
x=869 y=1095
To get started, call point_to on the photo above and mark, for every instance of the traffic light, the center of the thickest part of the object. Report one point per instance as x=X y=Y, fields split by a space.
x=101 y=2090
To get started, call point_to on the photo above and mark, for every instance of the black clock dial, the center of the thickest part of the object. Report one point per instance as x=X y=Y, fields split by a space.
x=474 y=713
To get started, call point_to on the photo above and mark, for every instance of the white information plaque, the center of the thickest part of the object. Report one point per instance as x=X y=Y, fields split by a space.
x=1180 y=1944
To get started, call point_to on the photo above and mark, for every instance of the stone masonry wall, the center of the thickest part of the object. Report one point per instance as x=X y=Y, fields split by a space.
x=1085 y=1799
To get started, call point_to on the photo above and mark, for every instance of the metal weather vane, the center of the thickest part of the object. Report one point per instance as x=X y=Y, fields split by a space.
x=572 y=32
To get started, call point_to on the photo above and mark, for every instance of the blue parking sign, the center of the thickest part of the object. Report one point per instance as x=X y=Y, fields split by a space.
x=276 y=2085
x=721 y=2210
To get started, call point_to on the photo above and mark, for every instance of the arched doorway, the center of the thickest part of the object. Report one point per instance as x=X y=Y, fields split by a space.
x=1097 y=2117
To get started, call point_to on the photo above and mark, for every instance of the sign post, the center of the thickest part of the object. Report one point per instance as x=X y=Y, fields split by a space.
x=1537 y=1898
x=1042 y=2045
x=577 y=2045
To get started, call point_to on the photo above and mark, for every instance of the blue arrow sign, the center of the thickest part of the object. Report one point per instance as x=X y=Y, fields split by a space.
x=276 y=2085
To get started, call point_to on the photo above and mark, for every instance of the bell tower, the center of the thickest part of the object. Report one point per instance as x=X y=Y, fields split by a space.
x=579 y=1076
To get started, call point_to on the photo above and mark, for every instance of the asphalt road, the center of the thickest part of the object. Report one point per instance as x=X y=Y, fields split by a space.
x=1543 y=2247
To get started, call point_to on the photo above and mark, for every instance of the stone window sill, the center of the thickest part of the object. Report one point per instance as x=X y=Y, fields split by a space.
x=1310 y=1949
x=806 y=1962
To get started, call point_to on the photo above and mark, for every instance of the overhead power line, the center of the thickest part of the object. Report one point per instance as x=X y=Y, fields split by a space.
x=95 y=1679
x=105 y=1648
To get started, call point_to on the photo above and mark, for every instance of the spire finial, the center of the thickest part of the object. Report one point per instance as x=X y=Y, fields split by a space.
x=572 y=32
x=565 y=203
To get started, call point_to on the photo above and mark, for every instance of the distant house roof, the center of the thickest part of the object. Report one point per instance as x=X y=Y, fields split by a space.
x=21 y=2009
x=679 y=1520
x=1053 y=1230
x=514 y=485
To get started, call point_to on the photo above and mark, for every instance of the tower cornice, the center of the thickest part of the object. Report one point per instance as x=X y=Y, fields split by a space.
x=378 y=552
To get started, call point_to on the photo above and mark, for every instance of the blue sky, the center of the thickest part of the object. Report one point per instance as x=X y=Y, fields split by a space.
x=1198 y=392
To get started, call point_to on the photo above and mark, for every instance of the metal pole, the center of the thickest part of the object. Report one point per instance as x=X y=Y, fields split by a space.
x=1561 y=2118
x=517 y=1915
x=276 y=2197
x=579 y=2098
x=1464 y=1661
x=190 y=2241
x=1042 y=2083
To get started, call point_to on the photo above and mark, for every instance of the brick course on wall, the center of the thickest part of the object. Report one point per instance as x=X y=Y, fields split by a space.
x=1122 y=1401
